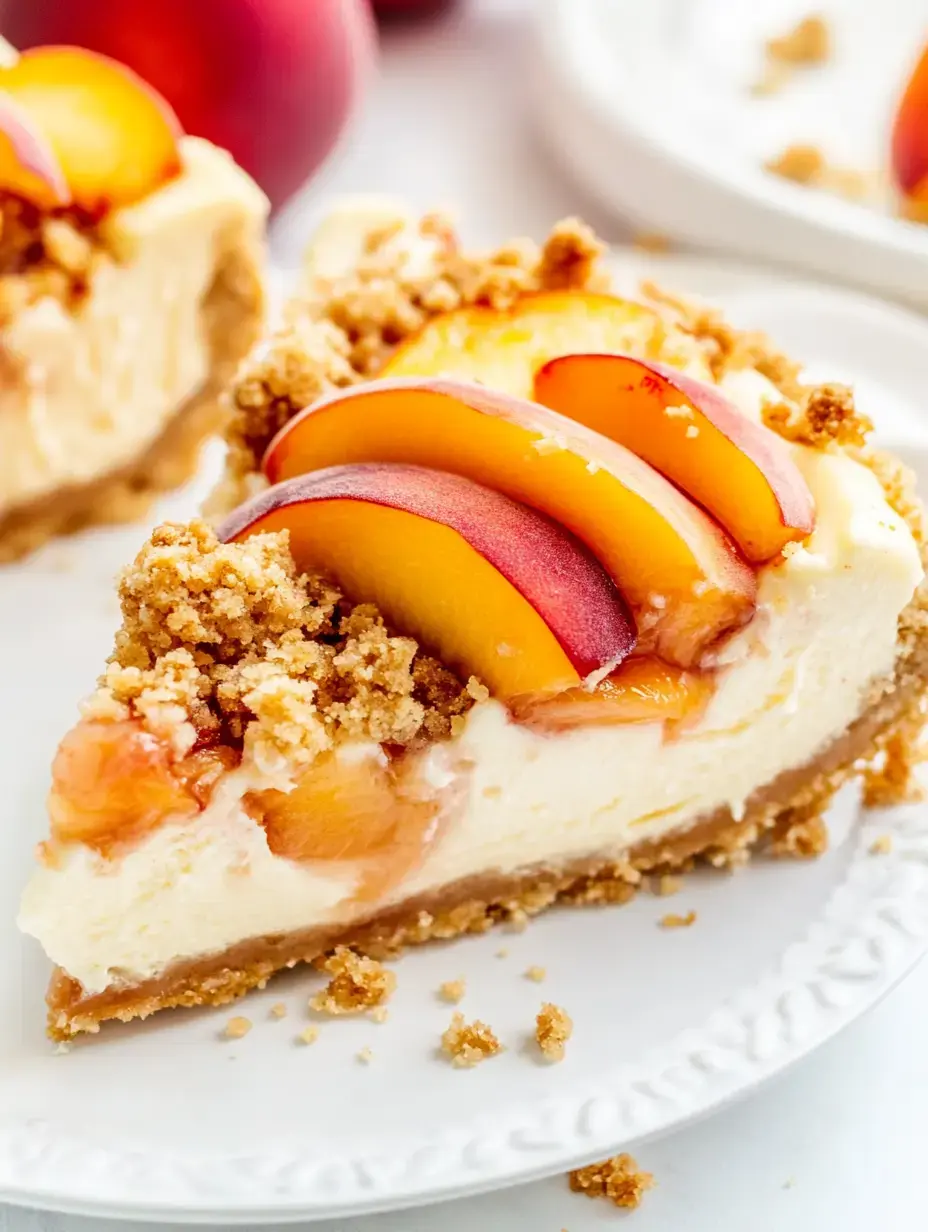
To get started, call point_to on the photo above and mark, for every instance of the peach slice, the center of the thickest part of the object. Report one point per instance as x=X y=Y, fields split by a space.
x=496 y=589
x=683 y=577
x=28 y=166
x=738 y=470
x=642 y=690
x=504 y=348
x=909 y=142
x=113 y=137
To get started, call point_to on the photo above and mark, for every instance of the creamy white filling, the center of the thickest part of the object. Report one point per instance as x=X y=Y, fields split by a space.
x=790 y=682
x=85 y=392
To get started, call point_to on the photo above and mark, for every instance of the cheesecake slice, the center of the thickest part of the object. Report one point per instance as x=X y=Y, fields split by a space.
x=517 y=593
x=130 y=288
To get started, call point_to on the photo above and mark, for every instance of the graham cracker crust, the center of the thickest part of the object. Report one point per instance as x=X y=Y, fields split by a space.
x=476 y=904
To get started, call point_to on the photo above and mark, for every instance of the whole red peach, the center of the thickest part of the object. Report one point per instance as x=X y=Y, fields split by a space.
x=272 y=82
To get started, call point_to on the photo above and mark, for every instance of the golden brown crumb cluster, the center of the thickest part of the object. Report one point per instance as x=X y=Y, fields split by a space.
x=342 y=329
x=553 y=1028
x=452 y=990
x=43 y=255
x=469 y=1043
x=808 y=42
x=619 y=1179
x=358 y=983
x=229 y=642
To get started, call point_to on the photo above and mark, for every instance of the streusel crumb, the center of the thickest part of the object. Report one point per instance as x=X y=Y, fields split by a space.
x=469 y=1043
x=882 y=845
x=667 y=884
x=278 y=1010
x=808 y=42
x=825 y=416
x=535 y=974
x=308 y=1035
x=452 y=990
x=365 y=1056
x=358 y=983
x=619 y=1179
x=237 y=1028
x=673 y=920
x=801 y=833
x=553 y=1028
x=229 y=642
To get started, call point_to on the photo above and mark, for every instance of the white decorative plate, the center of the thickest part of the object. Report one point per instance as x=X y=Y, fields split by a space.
x=649 y=106
x=166 y=1120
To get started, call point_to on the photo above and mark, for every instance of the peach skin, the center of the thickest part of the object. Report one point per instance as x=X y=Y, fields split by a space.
x=738 y=470
x=909 y=142
x=114 y=138
x=642 y=690
x=495 y=588
x=504 y=347
x=684 y=579
x=28 y=166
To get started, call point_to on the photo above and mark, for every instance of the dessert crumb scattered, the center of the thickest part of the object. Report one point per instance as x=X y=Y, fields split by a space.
x=379 y=1014
x=469 y=1043
x=365 y=1056
x=535 y=974
x=667 y=884
x=619 y=1179
x=237 y=1027
x=553 y=1028
x=452 y=990
x=800 y=163
x=826 y=415
x=502 y=953
x=882 y=845
x=809 y=42
x=358 y=983
x=672 y=920
x=278 y=1010
x=651 y=241
x=806 y=164
x=308 y=1035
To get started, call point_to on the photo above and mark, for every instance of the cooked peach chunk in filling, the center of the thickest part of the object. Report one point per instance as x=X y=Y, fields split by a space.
x=366 y=809
x=737 y=469
x=642 y=690
x=112 y=783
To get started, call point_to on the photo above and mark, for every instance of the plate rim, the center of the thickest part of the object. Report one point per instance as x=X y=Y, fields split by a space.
x=870 y=932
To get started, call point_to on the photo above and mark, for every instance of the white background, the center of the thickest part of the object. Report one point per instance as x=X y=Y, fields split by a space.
x=841 y=1143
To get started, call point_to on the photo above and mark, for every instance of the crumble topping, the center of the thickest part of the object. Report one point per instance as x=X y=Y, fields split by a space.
x=229 y=642
x=237 y=1027
x=452 y=990
x=278 y=1010
x=808 y=42
x=535 y=974
x=619 y=1179
x=825 y=416
x=308 y=1035
x=882 y=845
x=365 y=1056
x=358 y=983
x=553 y=1028
x=469 y=1043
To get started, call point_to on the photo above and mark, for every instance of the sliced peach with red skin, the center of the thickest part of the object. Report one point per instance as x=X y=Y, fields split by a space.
x=737 y=469
x=642 y=690
x=114 y=139
x=503 y=348
x=28 y=166
x=495 y=588
x=909 y=142
x=684 y=579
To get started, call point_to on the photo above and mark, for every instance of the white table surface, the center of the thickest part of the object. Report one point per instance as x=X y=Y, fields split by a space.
x=841 y=1143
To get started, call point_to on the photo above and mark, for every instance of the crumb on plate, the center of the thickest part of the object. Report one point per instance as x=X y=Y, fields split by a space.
x=619 y=1179
x=237 y=1027
x=308 y=1035
x=672 y=920
x=278 y=1010
x=365 y=1056
x=535 y=974
x=469 y=1043
x=553 y=1028
x=358 y=983
x=882 y=845
x=452 y=990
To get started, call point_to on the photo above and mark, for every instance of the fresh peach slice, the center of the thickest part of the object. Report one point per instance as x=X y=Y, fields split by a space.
x=504 y=348
x=112 y=783
x=496 y=589
x=737 y=469
x=28 y=166
x=909 y=143
x=114 y=138
x=642 y=690
x=684 y=579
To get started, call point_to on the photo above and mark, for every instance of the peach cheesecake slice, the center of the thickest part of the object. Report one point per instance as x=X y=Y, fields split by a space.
x=130 y=289
x=586 y=589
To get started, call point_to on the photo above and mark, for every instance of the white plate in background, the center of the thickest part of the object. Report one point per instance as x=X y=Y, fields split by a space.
x=649 y=107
